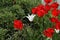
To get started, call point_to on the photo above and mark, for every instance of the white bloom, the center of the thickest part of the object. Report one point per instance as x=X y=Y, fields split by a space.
x=57 y=31
x=58 y=1
x=43 y=2
x=49 y=38
x=31 y=17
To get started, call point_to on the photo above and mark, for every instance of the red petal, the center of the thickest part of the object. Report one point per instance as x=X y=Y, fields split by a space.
x=55 y=12
x=34 y=10
x=54 y=20
x=48 y=32
x=54 y=5
x=48 y=1
x=47 y=7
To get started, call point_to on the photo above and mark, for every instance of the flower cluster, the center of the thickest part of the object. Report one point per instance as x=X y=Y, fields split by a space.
x=41 y=10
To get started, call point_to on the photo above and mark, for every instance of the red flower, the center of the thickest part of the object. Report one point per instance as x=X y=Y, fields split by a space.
x=48 y=1
x=34 y=10
x=54 y=5
x=41 y=10
x=55 y=12
x=18 y=24
x=59 y=11
x=47 y=7
x=54 y=20
x=39 y=7
x=57 y=26
x=48 y=32
x=41 y=13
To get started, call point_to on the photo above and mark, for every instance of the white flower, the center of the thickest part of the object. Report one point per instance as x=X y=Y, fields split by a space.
x=43 y=2
x=58 y=1
x=31 y=17
x=57 y=31
x=49 y=38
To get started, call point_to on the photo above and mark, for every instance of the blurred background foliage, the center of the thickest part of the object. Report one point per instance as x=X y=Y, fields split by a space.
x=18 y=9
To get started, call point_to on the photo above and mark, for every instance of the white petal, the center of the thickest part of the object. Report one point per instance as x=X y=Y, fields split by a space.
x=57 y=31
x=58 y=1
x=43 y=2
x=49 y=38
x=27 y=17
x=31 y=17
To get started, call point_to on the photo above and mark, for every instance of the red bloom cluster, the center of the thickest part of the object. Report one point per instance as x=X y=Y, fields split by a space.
x=41 y=9
x=48 y=32
x=55 y=12
x=18 y=24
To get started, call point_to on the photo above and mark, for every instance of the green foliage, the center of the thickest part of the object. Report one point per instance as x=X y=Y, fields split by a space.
x=18 y=9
